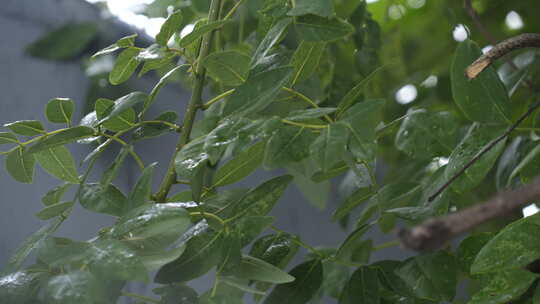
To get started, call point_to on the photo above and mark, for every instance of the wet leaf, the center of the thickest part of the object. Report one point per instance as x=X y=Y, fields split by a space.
x=483 y=99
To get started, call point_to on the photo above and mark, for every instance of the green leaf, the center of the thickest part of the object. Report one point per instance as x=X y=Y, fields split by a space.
x=123 y=42
x=155 y=129
x=276 y=249
x=315 y=28
x=54 y=195
x=61 y=138
x=177 y=294
x=352 y=96
x=58 y=252
x=172 y=24
x=121 y=105
x=306 y=59
x=345 y=250
x=308 y=279
x=103 y=198
x=113 y=260
x=143 y=188
x=198 y=32
x=20 y=287
x=26 y=127
x=354 y=200
x=477 y=137
x=309 y=114
x=191 y=157
x=504 y=287
x=241 y=285
x=66 y=42
x=249 y=227
x=272 y=38
x=228 y=67
x=329 y=147
x=151 y=220
x=31 y=243
x=426 y=134
x=254 y=269
x=288 y=144
x=317 y=193
x=123 y=121
x=469 y=248
x=110 y=174
x=75 y=287
x=125 y=65
x=529 y=166
x=323 y=8
x=431 y=276
x=203 y=252
x=8 y=138
x=483 y=99
x=161 y=83
x=20 y=165
x=514 y=246
x=59 y=162
x=362 y=287
x=362 y=120
x=337 y=170
x=262 y=199
x=257 y=92
x=60 y=110
x=54 y=210
x=241 y=166
x=154 y=260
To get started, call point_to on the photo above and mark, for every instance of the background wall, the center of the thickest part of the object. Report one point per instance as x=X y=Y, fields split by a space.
x=26 y=84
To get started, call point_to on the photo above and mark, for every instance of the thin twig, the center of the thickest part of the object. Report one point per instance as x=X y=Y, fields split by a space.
x=484 y=151
x=501 y=49
x=491 y=39
x=434 y=233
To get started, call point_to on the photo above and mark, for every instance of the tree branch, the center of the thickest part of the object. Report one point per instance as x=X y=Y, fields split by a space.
x=485 y=150
x=434 y=233
x=501 y=49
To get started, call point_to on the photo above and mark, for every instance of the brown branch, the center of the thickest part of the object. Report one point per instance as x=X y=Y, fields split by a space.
x=484 y=151
x=491 y=39
x=476 y=19
x=434 y=233
x=501 y=49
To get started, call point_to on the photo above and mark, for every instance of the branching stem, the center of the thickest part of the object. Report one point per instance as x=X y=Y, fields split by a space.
x=194 y=105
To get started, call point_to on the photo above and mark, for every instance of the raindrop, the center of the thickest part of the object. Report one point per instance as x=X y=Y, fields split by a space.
x=396 y=11
x=530 y=210
x=460 y=33
x=513 y=21
x=406 y=94
x=186 y=30
x=430 y=82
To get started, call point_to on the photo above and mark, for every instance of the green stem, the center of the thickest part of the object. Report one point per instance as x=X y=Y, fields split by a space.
x=217 y=98
x=233 y=10
x=139 y=297
x=133 y=154
x=208 y=215
x=161 y=122
x=304 y=125
x=306 y=99
x=194 y=104
x=386 y=245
